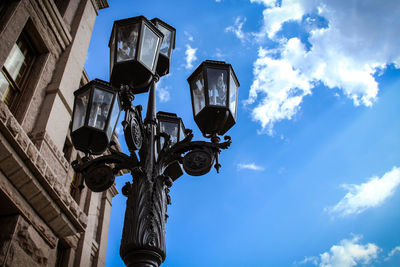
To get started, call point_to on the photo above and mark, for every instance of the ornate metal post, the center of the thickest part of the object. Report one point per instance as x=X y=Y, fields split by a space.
x=143 y=239
x=214 y=100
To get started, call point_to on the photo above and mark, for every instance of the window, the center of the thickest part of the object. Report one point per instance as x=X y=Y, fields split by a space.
x=61 y=6
x=4 y=4
x=61 y=255
x=74 y=190
x=96 y=235
x=67 y=149
x=15 y=70
x=2 y=7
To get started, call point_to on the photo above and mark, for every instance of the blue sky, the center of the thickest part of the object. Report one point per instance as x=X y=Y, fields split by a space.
x=312 y=176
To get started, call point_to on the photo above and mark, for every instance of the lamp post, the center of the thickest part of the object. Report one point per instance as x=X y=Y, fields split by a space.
x=160 y=146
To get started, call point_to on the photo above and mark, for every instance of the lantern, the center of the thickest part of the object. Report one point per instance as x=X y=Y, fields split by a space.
x=95 y=115
x=172 y=125
x=214 y=92
x=134 y=48
x=167 y=45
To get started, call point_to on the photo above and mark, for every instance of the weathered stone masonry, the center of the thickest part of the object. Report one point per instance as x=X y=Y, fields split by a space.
x=41 y=223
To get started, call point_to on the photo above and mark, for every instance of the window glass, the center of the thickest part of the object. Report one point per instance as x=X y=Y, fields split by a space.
x=6 y=94
x=127 y=42
x=100 y=108
x=217 y=87
x=198 y=93
x=148 y=47
x=15 y=70
x=14 y=61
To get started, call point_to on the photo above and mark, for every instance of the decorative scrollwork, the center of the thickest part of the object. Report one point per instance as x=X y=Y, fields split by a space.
x=100 y=178
x=126 y=189
x=133 y=129
x=98 y=173
x=198 y=162
x=199 y=157
x=136 y=133
x=145 y=215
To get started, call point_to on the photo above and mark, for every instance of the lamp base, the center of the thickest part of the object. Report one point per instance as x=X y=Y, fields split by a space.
x=143 y=237
x=142 y=258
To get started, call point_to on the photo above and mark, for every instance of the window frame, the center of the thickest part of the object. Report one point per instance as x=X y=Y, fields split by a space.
x=17 y=86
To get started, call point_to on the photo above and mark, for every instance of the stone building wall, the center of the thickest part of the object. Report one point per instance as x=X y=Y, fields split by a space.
x=44 y=219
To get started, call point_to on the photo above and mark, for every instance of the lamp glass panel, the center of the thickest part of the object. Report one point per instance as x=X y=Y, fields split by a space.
x=166 y=43
x=170 y=128
x=112 y=52
x=148 y=47
x=198 y=93
x=232 y=95
x=114 y=117
x=217 y=86
x=127 y=40
x=181 y=132
x=101 y=104
x=81 y=103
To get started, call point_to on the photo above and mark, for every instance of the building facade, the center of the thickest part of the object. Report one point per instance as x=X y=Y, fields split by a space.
x=45 y=219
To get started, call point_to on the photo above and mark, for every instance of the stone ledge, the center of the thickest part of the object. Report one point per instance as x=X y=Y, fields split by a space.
x=31 y=166
x=38 y=137
x=27 y=211
x=35 y=194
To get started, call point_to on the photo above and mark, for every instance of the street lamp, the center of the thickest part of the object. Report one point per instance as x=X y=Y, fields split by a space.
x=134 y=49
x=95 y=115
x=169 y=124
x=170 y=131
x=214 y=89
x=160 y=146
x=166 y=47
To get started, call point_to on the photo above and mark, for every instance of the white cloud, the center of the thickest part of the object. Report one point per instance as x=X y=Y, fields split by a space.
x=119 y=130
x=189 y=36
x=367 y=195
x=275 y=15
x=282 y=87
x=314 y=260
x=163 y=94
x=190 y=56
x=163 y=91
x=218 y=54
x=249 y=166
x=355 y=43
x=348 y=253
x=267 y=3
x=237 y=29
x=392 y=253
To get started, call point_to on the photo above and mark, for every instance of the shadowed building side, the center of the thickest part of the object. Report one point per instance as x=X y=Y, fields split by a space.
x=45 y=219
